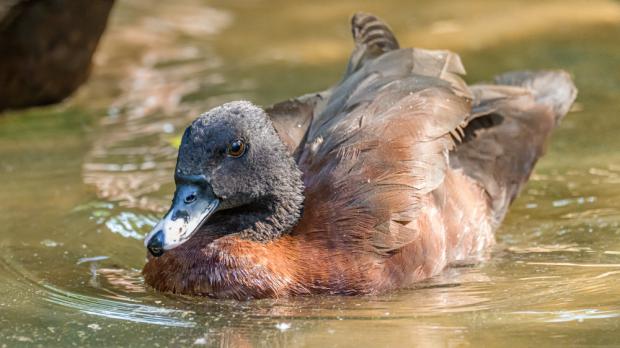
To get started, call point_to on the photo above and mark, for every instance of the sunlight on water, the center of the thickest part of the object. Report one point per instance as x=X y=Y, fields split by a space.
x=565 y=316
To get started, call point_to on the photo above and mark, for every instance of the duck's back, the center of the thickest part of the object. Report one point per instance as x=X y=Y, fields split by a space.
x=406 y=167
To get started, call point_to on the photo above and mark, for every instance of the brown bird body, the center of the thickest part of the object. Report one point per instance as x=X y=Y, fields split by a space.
x=406 y=170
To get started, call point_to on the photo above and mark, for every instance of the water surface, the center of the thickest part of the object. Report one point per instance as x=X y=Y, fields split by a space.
x=83 y=182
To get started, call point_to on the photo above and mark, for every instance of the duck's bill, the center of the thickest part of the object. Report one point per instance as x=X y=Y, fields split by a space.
x=192 y=205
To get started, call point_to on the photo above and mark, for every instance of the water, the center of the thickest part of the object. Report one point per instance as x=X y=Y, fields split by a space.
x=82 y=182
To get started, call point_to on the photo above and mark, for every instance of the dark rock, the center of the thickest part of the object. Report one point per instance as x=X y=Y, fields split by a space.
x=46 y=48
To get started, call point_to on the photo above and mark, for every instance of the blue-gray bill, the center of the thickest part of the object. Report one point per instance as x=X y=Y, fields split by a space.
x=193 y=203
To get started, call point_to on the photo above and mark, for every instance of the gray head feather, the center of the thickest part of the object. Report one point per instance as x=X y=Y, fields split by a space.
x=262 y=190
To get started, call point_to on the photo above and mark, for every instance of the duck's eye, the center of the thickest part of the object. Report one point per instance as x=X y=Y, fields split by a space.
x=236 y=148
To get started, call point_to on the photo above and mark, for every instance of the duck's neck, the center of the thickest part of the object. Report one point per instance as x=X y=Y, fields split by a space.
x=268 y=217
x=279 y=215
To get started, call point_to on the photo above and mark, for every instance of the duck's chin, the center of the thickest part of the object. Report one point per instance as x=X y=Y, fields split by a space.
x=253 y=222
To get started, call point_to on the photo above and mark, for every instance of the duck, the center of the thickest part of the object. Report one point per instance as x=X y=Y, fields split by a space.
x=397 y=172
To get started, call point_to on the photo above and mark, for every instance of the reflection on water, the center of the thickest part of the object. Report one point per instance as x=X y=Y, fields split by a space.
x=83 y=182
x=129 y=160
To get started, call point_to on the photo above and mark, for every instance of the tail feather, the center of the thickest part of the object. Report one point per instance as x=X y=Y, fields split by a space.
x=372 y=37
x=510 y=126
x=552 y=88
x=372 y=32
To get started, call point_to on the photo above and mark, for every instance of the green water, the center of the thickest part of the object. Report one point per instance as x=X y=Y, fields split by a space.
x=82 y=182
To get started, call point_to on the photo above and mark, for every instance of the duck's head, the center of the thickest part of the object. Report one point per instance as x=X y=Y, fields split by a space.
x=233 y=175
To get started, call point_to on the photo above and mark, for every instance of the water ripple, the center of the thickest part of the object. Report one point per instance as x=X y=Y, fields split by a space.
x=23 y=281
x=117 y=310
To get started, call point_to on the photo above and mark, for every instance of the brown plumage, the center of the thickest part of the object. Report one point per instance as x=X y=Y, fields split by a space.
x=406 y=170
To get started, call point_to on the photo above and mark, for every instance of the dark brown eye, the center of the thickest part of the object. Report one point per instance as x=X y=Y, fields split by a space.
x=236 y=148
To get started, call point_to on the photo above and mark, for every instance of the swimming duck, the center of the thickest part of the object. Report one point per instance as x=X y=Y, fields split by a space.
x=384 y=180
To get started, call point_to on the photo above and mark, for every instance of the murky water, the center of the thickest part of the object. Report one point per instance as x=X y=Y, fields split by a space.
x=82 y=182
